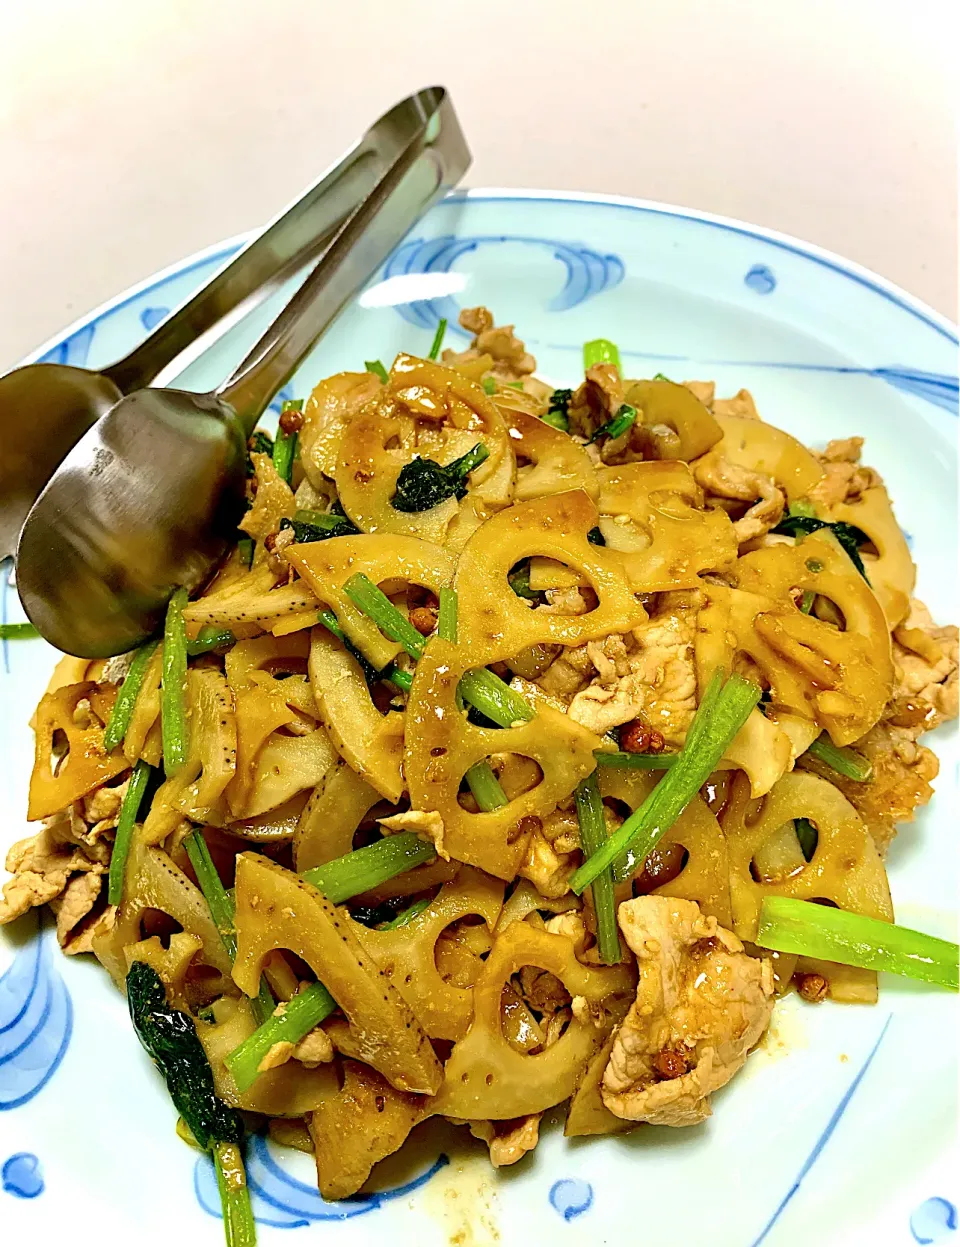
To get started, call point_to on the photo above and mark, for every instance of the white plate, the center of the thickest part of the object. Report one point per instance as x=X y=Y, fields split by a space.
x=841 y=1130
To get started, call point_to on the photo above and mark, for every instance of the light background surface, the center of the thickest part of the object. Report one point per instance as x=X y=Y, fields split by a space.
x=132 y=133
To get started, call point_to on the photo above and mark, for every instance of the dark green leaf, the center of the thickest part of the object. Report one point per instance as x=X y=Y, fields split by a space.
x=618 y=425
x=170 y=1038
x=849 y=536
x=519 y=579
x=596 y=537
x=423 y=483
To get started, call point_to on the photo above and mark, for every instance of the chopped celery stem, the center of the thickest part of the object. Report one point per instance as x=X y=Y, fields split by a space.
x=210 y=638
x=406 y=916
x=810 y=930
x=214 y=893
x=489 y=385
x=593 y=835
x=308 y=1008
x=845 y=762
x=367 y=868
x=556 y=420
x=601 y=351
x=804 y=507
x=637 y=761
x=487 y=693
x=17 y=631
x=807 y=600
x=447 y=621
x=239 y=1226
x=331 y=623
x=319 y=519
x=378 y=370
x=284 y=453
x=127 y=695
x=375 y=604
x=438 y=338
x=245 y=550
x=485 y=787
x=721 y=714
x=403 y=680
x=129 y=808
x=173 y=687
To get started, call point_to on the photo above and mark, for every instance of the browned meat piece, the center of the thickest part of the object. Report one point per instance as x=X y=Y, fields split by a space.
x=723 y=479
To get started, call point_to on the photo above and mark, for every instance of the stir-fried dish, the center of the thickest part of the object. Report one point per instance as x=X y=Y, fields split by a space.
x=527 y=745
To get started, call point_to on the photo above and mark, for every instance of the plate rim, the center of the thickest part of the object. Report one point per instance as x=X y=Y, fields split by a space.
x=822 y=256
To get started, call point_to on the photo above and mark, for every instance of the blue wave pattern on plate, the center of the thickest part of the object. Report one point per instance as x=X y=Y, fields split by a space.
x=283 y=396
x=281 y=1200
x=760 y=279
x=36 y=1022
x=825 y=1134
x=21 y=1176
x=150 y=317
x=73 y=350
x=934 y=1221
x=588 y=272
x=571 y=1197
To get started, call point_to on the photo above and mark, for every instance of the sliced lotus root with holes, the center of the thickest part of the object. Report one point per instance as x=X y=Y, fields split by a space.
x=845 y=868
x=198 y=790
x=487 y=1078
x=705 y=877
x=359 y=1124
x=495 y=623
x=762 y=448
x=253 y=605
x=672 y=423
x=326 y=565
x=556 y=462
x=407 y=954
x=152 y=881
x=59 y=779
x=892 y=572
x=441 y=746
x=651 y=515
x=274 y=661
x=288 y=767
x=371 y=742
x=277 y=909
x=327 y=413
x=331 y=816
x=454 y=414
x=840 y=679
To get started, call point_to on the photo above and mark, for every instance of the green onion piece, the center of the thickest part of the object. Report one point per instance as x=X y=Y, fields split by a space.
x=721 y=714
x=438 y=338
x=593 y=836
x=308 y=1008
x=487 y=693
x=319 y=519
x=129 y=808
x=332 y=624
x=557 y=420
x=129 y=691
x=239 y=1226
x=807 y=601
x=210 y=638
x=378 y=370
x=637 y=761
x=802 y=506
x=489 y=385
x=845 y=762
x=284 y=453
x=447 y=621
x=601 y=351
x=375 y=604
x=173 y=687
x=792 y=926
x=214 y=893
x=245 y=550
x=406 y=915
x=17 y=631
x=402 y=679
x=485 y=787
x=619 y=424
x=367 y=868
x=807 y=836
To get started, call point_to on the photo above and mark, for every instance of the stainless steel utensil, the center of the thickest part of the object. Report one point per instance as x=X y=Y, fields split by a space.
x=46 y=408
x=152 y=494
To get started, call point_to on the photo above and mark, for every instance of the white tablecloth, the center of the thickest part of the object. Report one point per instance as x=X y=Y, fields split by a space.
x=133 y=132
